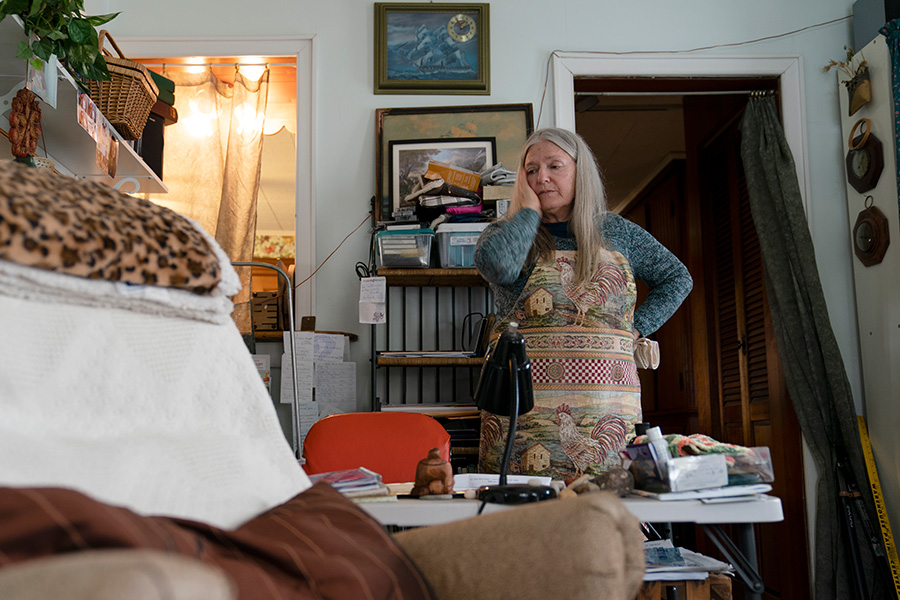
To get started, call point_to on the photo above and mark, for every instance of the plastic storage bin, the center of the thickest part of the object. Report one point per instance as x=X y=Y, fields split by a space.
x=456 y=243
x=403 y=248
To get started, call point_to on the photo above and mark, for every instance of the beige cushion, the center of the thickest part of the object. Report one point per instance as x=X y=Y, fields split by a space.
x=114 y=575
x=587 y=547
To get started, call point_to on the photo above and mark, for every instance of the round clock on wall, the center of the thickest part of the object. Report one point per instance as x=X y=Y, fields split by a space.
x=461 y=27
x=870 y=235
x=865 y=159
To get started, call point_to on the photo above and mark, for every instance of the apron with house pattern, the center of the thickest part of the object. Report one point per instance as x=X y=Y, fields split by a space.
x=587 y=395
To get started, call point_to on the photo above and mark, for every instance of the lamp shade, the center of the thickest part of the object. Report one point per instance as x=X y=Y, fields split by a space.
x=494 y=393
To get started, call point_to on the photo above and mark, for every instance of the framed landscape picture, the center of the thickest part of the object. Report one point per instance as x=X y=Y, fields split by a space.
x=508 y=124
x=409 y=160
x=434 y=48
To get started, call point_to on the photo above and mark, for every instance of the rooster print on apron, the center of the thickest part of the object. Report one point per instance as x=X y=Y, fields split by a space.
x=587 y=395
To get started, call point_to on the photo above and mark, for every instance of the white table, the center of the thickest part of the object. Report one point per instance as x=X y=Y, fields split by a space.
x=409 y=512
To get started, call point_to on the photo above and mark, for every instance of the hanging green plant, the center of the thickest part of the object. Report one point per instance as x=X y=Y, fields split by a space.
x=61 y=28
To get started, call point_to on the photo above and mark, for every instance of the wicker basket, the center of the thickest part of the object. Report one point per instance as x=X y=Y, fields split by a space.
x=125 y=99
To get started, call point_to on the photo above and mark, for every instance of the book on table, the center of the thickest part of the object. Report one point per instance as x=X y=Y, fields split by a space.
x=352 y=482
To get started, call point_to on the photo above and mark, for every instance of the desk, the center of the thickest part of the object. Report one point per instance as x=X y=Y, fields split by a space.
x=762 y=509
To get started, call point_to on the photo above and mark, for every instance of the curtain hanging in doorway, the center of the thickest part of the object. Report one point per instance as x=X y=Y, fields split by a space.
x=813 y=367
x=212 y=164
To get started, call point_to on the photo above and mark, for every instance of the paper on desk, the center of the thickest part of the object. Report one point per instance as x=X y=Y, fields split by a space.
x=664 y=562
x=749 y=491
x=471 y=481
x=304 y=380
x=372 y=302
x=335 y=385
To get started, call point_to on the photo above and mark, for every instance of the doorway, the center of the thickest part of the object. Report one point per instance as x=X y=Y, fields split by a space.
x=298 y=51
x=670 y=148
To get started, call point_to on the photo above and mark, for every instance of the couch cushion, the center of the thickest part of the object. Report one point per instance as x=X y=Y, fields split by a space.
x=316 y=545
x=114 y=575
x=585 y=548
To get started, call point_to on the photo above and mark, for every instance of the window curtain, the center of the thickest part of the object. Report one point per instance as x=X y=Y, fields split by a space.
x=813 y=367
x=212 y=162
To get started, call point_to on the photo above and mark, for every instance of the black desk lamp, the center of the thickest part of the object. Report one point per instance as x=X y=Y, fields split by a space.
x=505 y=389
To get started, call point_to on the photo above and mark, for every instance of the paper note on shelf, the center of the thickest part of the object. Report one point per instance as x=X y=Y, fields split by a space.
x=372 y=299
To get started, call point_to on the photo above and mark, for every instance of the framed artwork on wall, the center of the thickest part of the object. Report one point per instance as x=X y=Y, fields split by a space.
x=508 y=124
x=408 y=161
x=434 y=48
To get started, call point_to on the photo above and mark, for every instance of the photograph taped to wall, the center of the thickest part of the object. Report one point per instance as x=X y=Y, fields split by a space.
x=508 y=124
x=409 y=162
x=432 y=48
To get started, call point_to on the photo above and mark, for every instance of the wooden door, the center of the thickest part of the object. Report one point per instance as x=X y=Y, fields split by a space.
x=667 y=393
x=749 y=402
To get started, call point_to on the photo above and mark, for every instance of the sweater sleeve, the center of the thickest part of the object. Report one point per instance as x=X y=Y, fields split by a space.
x=667 y=277
x=503 y=247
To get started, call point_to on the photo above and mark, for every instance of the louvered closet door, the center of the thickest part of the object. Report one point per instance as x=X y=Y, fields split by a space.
x=740 y=316
x=752 y=407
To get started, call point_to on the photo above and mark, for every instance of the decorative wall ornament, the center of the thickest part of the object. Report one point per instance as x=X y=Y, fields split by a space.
x=855 y=75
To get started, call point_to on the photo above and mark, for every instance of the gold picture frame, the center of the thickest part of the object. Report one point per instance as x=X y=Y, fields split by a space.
x=509 y=124
x=432 y=48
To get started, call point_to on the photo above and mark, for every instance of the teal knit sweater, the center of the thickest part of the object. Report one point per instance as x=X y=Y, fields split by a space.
x=503 y=247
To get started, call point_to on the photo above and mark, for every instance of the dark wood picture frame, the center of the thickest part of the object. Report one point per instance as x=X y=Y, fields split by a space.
x=451 y=55
x=406 y=158
x=509 y=124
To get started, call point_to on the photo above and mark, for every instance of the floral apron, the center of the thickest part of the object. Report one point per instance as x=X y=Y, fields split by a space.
x=587 y=395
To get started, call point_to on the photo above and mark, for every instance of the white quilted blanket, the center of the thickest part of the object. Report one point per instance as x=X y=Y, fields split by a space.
x=164 y=415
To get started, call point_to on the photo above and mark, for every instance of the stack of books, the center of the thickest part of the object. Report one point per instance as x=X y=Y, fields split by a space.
x=354 y=483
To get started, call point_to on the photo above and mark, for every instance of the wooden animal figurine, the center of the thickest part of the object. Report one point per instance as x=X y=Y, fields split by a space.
x=434 y=476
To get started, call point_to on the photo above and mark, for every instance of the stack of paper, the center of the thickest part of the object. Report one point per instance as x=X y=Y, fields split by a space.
x=664 y=562
x=353 y=482
x=324 y=373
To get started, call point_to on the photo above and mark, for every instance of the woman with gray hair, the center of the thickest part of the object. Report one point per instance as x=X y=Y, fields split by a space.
x=564 y=269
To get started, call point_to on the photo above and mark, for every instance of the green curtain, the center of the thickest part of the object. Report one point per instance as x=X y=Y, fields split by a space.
x=813 y=367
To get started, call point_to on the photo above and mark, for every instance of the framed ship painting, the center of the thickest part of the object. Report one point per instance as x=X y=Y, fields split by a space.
x=432 y=48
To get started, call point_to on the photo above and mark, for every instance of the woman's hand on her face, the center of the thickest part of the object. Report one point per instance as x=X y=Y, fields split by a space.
x=524 y=195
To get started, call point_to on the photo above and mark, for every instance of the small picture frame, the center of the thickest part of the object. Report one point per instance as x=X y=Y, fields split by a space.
x=409 y=161
x=434 y=48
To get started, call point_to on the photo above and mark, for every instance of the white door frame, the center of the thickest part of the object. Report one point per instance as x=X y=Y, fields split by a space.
x=568 y=65
x=303 y=47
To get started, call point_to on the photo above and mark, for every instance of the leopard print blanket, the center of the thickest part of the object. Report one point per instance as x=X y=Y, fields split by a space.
x=84 y=228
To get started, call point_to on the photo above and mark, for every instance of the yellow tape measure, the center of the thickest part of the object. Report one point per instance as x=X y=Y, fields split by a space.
x=889 y=547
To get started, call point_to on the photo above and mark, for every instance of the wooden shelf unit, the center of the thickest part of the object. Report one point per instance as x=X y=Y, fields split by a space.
x=457 y=277
x=413 y=313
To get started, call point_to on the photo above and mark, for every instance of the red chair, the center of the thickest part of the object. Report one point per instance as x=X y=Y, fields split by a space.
x=389 y=443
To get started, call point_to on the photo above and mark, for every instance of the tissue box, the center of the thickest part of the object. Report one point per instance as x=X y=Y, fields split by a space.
x=697 y=472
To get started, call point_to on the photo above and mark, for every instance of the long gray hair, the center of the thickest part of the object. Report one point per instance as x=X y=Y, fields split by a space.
x=588 y=208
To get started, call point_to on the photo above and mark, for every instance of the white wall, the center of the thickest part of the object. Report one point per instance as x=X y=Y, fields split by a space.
x=523 y=35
